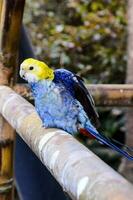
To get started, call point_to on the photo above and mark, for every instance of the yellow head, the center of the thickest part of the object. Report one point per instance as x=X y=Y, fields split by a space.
x=33 y=70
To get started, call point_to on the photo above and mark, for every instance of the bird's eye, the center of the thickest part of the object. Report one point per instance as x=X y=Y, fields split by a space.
x=31 y=68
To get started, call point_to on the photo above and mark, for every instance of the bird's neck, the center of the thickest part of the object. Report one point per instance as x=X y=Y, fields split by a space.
x=40 y=88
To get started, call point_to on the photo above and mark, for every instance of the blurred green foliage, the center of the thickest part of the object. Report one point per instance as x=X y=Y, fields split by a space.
x=85 y=36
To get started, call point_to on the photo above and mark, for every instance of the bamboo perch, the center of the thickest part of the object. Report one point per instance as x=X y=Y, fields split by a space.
x=11 y=12
x=79 y=171
x=104 y=94
x=112 y=94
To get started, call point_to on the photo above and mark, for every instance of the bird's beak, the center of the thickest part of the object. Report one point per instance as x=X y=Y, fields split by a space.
x=22 y=73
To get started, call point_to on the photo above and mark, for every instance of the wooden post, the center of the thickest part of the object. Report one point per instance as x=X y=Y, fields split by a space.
x=11 y=12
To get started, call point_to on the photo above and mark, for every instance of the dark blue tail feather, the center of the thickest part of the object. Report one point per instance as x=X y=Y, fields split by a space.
x=109 y=143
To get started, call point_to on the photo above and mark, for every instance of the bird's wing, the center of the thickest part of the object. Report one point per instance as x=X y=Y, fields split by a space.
x=76 y=87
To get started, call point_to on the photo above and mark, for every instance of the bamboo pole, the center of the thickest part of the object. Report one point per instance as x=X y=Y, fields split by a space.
x=79 y=171
x=112 y=94
x=104 y=94
x=10 y=23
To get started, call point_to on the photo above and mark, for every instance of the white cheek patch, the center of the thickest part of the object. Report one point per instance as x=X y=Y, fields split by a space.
x=31 y=77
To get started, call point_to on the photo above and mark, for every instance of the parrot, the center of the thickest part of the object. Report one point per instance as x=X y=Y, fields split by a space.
x=62 y=101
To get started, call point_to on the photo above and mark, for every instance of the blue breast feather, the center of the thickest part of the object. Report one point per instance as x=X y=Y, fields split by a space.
x=57 y=106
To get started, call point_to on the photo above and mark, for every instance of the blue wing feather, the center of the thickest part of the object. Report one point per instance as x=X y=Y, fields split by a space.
x=75 y=86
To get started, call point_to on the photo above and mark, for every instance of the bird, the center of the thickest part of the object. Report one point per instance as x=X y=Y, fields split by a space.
x=62 y=101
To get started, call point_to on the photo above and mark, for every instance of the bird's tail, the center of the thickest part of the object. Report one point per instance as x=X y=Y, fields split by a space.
x=126 y=151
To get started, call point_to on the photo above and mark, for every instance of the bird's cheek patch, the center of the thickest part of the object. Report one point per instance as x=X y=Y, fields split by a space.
x=31 y=77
